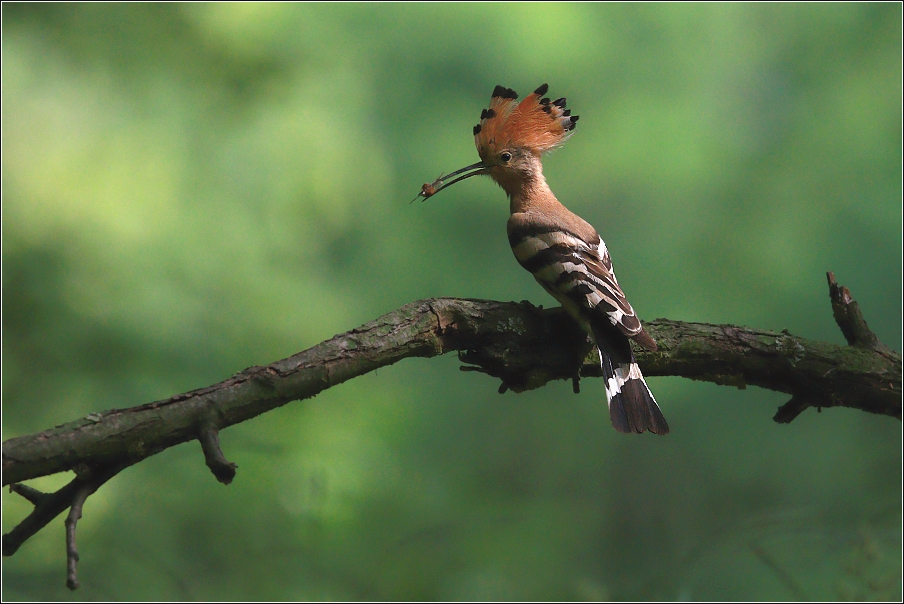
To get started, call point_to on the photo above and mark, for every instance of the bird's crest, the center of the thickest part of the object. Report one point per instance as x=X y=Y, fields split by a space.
x=536 y=123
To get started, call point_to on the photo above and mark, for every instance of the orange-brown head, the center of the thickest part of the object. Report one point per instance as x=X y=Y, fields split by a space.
x=536 y=124
x=511 y=136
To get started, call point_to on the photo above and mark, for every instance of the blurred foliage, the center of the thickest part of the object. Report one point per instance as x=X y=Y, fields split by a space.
x=192 y=189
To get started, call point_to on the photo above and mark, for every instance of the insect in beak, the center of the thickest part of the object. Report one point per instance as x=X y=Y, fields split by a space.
x=431 y=189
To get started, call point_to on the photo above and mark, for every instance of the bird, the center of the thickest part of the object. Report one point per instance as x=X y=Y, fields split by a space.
x=563 y=252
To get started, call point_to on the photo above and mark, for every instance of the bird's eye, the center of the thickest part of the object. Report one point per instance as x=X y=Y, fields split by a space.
x=506 y=157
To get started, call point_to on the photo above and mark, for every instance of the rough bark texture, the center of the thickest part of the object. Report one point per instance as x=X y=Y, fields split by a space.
x=523 y=345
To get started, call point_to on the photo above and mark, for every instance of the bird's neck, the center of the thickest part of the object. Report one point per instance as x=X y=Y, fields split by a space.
x=529 y=192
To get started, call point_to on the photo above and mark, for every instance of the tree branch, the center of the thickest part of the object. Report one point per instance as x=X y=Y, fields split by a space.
x=523 y=345
x=849 y=318
x=50 y=505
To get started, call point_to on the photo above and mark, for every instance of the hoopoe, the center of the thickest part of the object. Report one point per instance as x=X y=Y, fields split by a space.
x=561 y=250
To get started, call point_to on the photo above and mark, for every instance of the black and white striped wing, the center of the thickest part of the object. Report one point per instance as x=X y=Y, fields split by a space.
x=581 y=271
x=579 y=274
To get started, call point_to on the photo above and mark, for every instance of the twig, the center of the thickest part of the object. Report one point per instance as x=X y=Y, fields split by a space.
x=35 y=496
x=850 y=319
x=222 y=469
x=75 y=514
x=90 y=481
x=790 y=410
x=50 y=505
x=47 y=507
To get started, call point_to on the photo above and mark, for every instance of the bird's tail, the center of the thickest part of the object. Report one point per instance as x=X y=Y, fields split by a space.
x=632 y=407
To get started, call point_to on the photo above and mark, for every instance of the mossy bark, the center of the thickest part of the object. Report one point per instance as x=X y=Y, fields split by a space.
x=522 y=345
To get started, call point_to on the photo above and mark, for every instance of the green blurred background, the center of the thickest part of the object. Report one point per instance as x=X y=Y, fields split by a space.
x=192 y=189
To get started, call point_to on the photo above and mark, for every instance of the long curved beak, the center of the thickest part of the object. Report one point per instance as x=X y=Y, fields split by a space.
x=431 y=189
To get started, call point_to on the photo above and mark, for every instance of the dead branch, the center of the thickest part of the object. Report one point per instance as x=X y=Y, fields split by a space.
x=520 y=344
